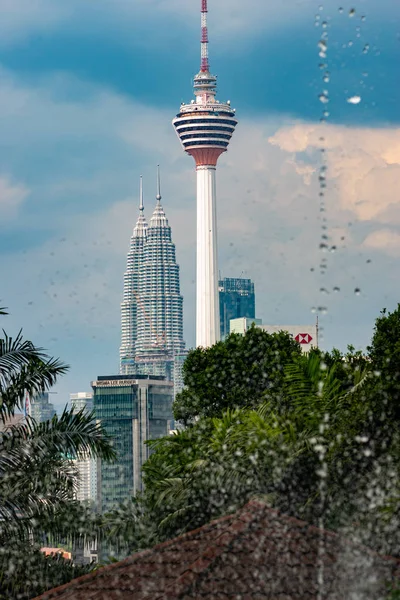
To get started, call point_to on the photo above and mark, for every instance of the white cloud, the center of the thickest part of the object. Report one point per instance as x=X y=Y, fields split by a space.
x=11 y=197
x=385 y=240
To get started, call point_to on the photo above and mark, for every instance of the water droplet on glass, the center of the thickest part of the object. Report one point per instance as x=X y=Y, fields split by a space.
x=336 y=289
x=320 y=7
x=313 y=310
x=333 y=249
x=322 y=65
x=363 y=18
x=326 y=78
x=340 y=9
x=324 y=24
x=352 y=12
x=366 y=49
x=357 y=291
x=323 y=98
x=323 y=247
x=323 y=291
x=354 y=100
x=350 y=43
x=369 y=260
x=322 y=309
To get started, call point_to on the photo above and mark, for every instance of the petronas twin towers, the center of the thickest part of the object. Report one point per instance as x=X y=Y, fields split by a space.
x=152 y=307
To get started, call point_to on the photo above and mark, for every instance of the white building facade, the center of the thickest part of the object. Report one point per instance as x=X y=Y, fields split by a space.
x=87 y=467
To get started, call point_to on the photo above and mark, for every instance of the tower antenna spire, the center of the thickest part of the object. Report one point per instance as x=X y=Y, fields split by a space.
x=158 y=197
x=205 y=64
x=141 y=204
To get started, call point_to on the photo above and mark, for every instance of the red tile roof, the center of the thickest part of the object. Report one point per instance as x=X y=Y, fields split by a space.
x=255 y=554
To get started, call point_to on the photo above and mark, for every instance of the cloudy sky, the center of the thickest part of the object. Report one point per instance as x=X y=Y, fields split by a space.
x=88 y=89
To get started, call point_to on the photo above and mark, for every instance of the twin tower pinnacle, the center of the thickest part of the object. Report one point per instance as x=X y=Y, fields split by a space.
x=152 y=306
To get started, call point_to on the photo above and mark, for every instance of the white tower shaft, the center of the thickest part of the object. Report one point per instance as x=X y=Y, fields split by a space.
x=207 y=296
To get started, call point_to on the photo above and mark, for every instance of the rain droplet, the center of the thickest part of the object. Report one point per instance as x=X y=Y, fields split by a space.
x=322 y=65
x=333 y=249
x=336 y=289
x=313 y=310
x=326 y=78
x=322 y=309
x=324 y=24
x=323 y=291
x=366 y=49
x=323 y=247
x=369 y=260
x=357 y=291
x=350 y=43
x=352 y=12
x=354 y=100
x=363 y=18
x=323 y=98
x=340 y=9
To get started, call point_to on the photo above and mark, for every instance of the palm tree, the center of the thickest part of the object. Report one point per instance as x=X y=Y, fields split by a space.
x=37 y=475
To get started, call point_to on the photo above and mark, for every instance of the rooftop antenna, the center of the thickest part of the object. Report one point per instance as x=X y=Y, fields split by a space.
x=205 y=65
x=158 y=197
x=141 y=205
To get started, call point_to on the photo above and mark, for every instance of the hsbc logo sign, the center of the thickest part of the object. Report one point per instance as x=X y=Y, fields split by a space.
x=303 y=338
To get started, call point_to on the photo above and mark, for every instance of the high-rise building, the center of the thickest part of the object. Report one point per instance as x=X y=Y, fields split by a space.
x=41 y=409
x=205 y=127
x=236 y=299
x=152 y=309
x=131 y=300
x=179 y=360
x=87 y=467
x=132 y=410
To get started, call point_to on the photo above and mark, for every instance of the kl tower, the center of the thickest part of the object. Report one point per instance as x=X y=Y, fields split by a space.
x=205 y=127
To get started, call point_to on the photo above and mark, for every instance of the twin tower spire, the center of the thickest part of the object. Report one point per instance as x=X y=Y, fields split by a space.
x=152 y=307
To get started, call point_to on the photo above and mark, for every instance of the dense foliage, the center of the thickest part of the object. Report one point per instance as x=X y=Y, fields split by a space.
x=235 y=373
x=317 y=435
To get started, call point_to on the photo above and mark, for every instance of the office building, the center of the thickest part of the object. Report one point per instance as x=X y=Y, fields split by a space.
x=132 y=409
x=236 y=299
x=87 y=467
x=41 y=409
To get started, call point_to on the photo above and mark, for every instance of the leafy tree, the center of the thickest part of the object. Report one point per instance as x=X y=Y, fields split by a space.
x=235 y=373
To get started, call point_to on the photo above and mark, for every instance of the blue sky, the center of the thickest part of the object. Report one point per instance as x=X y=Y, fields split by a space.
x=87 y=94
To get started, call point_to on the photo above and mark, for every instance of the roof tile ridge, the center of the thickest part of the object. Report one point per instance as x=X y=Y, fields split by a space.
x=240 y=522
x=54 y=593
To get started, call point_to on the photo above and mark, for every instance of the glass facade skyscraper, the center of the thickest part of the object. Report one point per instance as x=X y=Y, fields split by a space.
x=132 y=409
x=236 y=299
x=41 y=407
x=152 y=308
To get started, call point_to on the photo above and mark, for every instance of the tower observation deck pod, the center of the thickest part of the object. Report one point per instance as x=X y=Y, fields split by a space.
x=205 y=128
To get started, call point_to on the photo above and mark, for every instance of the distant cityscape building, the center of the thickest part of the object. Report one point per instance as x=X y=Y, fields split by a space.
x=306 y=335
x=236 y=299
x=87 y=467
x=132 y=410
x=152 y=308
x=41 y=409
x=205 y=127
x=179 y=359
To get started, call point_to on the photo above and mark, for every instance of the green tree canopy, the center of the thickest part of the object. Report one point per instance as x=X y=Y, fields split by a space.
x=235 y=373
